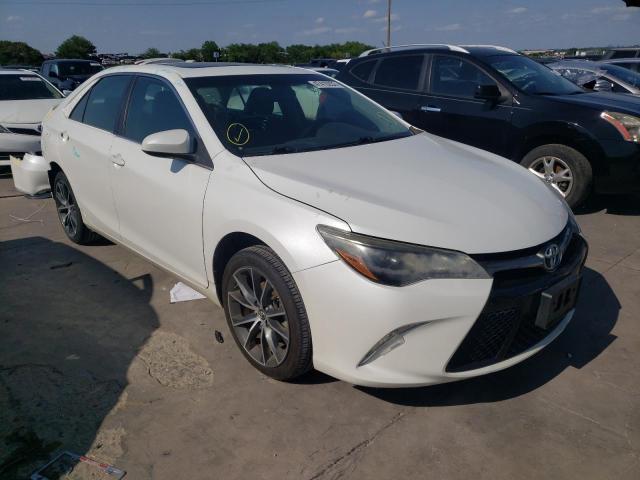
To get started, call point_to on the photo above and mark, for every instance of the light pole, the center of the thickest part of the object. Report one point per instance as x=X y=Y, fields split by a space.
x=389 y=24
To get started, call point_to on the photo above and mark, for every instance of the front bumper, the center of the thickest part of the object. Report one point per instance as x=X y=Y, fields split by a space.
x=15 y=143
x=622 y=173
x=349 y=315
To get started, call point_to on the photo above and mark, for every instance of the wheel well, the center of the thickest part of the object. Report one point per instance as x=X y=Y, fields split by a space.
x=230 y=244
x=53 y=171
x=583 y=145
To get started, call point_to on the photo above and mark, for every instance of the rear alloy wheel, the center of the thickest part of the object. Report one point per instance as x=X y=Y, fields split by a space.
x=265 y=313
x=69 y=213
x=563 y=168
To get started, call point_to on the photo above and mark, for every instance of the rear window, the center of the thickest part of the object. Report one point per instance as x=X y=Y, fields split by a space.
x=26 y=87
x=79 y=68
x=400 y=72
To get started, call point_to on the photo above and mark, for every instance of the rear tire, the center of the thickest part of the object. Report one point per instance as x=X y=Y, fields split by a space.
x=265 y=313
x=550 y=162
x=69 y=212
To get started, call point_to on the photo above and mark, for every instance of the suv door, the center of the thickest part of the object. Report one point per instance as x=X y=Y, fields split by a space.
x=451 y=110
x=396 y=83
x=85 y=145
x=159 y=198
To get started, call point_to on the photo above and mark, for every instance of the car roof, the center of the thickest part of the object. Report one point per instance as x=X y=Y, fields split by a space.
x=16 y=71
x=64 y=60
x=586 y=64
x=622 y=60
x=206 y=69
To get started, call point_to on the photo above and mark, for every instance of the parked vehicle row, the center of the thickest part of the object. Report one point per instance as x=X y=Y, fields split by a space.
x=599 y=76
x=333 y=234
x=497 y=100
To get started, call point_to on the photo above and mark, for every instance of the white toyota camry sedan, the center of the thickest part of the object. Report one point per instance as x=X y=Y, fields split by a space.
x=334 y=235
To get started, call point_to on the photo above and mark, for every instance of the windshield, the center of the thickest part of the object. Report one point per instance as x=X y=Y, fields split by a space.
x=288 y=113
x=627 y=76
x=79 y=68
x=25 y=87
x=532 y=77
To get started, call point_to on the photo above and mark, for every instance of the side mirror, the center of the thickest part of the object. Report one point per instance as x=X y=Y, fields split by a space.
x=602 y=85
x=66 y=93
x=169 y=143
x=488 y=92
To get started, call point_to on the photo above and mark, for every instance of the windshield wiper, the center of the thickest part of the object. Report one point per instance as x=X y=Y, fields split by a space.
x=280 y=149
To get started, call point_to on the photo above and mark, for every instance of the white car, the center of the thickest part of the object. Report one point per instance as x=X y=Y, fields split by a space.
x=25 y=98
x=333 y=234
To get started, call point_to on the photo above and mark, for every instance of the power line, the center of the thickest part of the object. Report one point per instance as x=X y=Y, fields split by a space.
x=136 y=3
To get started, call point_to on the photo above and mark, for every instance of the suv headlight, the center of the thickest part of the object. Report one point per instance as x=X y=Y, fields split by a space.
x=627 y=125
x=395 y=263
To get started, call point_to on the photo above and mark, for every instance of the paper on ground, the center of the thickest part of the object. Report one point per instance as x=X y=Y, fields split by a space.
x=182 y=293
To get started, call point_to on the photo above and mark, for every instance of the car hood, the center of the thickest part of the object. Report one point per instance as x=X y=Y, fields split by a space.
x=604 y=101
x=26 y=111
x=424 y=190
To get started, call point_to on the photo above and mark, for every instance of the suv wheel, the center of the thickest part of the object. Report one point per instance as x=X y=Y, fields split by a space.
x=563 y=168
x=69 y=212
x=265 y=313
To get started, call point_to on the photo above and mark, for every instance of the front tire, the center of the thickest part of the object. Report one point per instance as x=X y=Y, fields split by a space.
x=69 y=212
x=563 y=168
x=265 y=313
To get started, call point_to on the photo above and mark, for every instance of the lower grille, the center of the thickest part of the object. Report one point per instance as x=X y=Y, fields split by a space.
x=507 y=325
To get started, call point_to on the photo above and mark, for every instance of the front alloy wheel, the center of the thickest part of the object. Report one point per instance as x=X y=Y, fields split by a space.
x=265 y=313
x=555 y=172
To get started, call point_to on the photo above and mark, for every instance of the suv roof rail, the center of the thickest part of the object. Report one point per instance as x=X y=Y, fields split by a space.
x=453 y=48
x=497 y=47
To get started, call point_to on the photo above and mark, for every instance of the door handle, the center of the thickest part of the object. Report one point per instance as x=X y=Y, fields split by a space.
x=118 y=160
x=430 y=108
x=64 y=136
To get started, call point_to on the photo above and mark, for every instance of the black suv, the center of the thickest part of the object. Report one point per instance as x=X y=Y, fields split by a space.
x=495 y=99
x=67 y=74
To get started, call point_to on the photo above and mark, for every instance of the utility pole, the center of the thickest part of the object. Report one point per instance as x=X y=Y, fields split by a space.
x=389 y=24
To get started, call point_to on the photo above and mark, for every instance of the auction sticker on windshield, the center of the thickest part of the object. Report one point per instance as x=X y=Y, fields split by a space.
x=325 y=84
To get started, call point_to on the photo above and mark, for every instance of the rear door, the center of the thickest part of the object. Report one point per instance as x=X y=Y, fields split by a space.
x=395 y=82
x=159 y=198
x=449 y=108
x=84 y=146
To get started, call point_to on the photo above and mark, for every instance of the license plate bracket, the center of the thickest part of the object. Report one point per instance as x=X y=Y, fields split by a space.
x=557 y=301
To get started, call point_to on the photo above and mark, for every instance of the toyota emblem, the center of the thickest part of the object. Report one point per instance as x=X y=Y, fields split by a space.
x=552 y=256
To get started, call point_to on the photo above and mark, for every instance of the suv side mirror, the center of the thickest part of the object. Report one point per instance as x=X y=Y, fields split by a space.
x=169 y=143
x=488 y=92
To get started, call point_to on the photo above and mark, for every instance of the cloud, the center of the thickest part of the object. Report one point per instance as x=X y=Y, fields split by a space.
x=370 y=14
x=518 y=10
x=452 y=27
x=316 y=31
x=13 y=19
x=320 y=20
x=621 y=17
x=347 y=30
x=394 y=16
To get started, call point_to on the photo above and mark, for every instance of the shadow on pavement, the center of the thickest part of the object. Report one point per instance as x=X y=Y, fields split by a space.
x=70 y=328
x=586 y=337
x=611 y=204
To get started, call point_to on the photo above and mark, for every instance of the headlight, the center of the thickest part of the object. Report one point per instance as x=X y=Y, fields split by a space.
x=4 y=129
x=627 y=125
x=396 y=263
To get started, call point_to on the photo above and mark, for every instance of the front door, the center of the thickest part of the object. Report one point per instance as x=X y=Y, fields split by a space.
x=450 y=110
x=159 y=199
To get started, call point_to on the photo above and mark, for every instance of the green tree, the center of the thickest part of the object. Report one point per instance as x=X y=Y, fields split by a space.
x=18 y=53
x=152 y=53
x=76 y=47
x=208 y=49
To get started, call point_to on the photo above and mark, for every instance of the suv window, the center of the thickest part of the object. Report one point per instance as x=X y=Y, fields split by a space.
x=400 y=72
x=363 y=70
x=104 y=101
x=153 y=108
x=456 y=77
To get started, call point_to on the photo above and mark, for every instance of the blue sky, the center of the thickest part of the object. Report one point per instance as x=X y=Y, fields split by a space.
x=187 y=23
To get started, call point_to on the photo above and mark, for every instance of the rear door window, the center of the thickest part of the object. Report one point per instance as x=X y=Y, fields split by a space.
x=363 y=70
x=104 y=102
x=400 y=72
